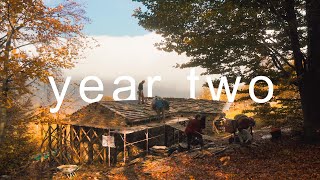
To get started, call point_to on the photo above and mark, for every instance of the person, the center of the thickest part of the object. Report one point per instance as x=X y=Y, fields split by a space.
x=203 y=121
x=245 y=136
x=140 y=92
x=245 y=122
x=244 y=127
x=158 y=106
x=193 y=130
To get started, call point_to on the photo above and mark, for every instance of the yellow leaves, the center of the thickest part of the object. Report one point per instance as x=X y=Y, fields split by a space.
x=15 y=54
x=187 y=40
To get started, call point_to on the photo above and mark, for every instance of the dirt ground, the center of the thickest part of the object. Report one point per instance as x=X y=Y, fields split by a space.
x=288 y=158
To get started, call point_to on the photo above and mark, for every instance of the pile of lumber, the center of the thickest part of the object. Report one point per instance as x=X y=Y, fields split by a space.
x=159 y=150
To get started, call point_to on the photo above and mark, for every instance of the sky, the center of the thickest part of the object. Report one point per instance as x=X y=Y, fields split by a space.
x=125 y=48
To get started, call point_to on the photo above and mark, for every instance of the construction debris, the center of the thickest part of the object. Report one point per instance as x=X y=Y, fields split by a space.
x=68 y=170
x=159 y=150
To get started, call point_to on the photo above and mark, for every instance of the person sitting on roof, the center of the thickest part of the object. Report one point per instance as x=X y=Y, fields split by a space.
x=193 y=130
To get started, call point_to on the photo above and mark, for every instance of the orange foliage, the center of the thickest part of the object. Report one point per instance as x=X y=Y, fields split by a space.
x=36 y=41
x=236 y=107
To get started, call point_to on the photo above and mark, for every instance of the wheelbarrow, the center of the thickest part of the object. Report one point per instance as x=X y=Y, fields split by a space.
x=68 y=170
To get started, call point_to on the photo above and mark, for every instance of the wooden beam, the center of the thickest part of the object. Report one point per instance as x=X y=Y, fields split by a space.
x=115 y=153
x=90 y=146
x=49 y=143
x=81 y=160
x=65 y=142
x=109 y=153
x=132 y=143
x=86 y=133
x=147 y=143
x=124 y=147
x=71 y=143
x=165 y=136
x=42 y=138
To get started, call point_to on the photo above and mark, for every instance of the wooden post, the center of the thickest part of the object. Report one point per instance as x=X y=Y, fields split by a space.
x=59 y=142
x=71 y=143
x=43 y=143
x=109 y=153
x=80 y=150
x=124 y=147
x=65 y=142
x=109 y=156
x=165 y=136
x=104 y=155
x=115 y=153
x=104 y=150
x=147 y=141
x=49 y=143
x=90 y=146
x=174 y=135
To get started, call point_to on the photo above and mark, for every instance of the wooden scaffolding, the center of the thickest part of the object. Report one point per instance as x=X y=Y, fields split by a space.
x=70 y=144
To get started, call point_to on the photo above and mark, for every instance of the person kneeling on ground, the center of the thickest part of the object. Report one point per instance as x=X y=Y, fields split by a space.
x=193 y=130
x=245 y=136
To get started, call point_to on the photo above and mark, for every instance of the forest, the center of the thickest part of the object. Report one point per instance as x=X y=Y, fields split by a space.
x=260 y=59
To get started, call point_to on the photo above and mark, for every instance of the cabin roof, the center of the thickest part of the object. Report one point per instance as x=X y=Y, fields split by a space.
x=108 y=114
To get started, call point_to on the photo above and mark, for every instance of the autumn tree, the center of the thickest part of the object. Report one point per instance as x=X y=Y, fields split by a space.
x=36 y=41
x=246 y=38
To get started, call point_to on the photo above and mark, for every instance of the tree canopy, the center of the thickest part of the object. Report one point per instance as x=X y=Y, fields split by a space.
x=231 y=38
x=247 y=38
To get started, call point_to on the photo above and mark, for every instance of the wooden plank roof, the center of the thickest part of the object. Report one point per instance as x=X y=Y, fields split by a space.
x=130 y=112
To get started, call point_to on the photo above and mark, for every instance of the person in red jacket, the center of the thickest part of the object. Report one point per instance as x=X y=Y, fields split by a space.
x=193 y=130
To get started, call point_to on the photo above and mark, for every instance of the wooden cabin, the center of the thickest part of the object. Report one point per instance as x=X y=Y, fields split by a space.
x=131 y=125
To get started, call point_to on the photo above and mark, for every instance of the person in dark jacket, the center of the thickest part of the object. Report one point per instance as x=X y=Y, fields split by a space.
x=140 y=92
x=193 y=130
x=158 y=105
x=203 y=121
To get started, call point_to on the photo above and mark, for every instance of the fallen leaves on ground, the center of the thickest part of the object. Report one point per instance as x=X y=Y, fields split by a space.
x=287 y=159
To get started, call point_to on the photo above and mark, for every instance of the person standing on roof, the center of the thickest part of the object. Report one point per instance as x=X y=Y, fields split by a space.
x=140 y=92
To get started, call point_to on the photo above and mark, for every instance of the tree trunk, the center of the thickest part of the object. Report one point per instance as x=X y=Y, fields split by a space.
x=3 y=120
x=4 y=110
x=310 y=105
x=5 y=86
x=309 y=92
x=307 y=69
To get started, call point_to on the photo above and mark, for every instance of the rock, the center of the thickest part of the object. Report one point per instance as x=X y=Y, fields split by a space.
x=5 y=177
x=266 y=136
